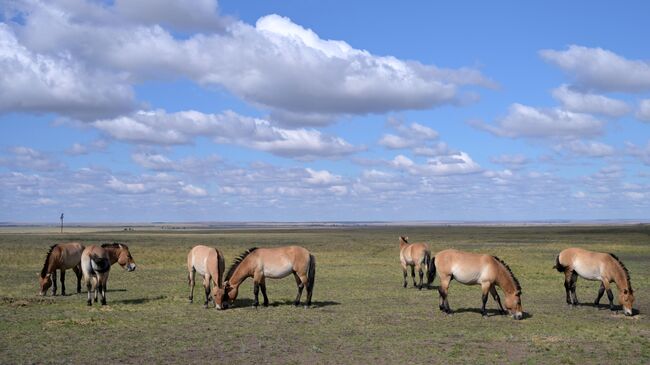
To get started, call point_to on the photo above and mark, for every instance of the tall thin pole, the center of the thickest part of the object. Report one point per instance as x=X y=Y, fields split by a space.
x=61 y=222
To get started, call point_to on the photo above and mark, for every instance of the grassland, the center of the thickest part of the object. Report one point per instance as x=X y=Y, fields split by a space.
x=361 y=314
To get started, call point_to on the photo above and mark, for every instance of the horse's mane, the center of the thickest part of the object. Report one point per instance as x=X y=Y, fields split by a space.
x=238 y=261
x=627 y=273
x=511 y=273
x=404 y=239
x=47 y=259
x=114 y=245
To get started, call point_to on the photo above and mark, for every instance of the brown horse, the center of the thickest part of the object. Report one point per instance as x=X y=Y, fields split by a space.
x=119 y=252
x=597 y=266
x=209 y=263
x=476 y=269
x=274 y=263
x=417 y=256
x=60 y=257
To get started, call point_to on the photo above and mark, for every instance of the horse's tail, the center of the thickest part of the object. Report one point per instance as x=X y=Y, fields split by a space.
x=311 y=274
x=427 y=261
x=101 y=264
x=558 y=266
x=431 y=269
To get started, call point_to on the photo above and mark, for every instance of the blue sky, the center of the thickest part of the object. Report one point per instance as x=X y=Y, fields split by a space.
x=145 y=110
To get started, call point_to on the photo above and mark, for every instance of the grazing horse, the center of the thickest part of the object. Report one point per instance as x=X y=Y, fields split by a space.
x=476 y=269
x=209 y=263
x=60 y=257
x=95 y=265
x=597 y=266
x=417 y=256
x=274 y=263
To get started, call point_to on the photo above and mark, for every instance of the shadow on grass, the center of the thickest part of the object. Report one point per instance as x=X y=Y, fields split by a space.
x=616 y=309
x=139 y=300
x=244 y=303
x=491 y=312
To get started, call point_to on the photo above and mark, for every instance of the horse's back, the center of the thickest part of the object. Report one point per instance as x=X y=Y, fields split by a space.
x=465 y=267
x=414 y=253
x=71 y=254
x=588 y=264
x=278 y=262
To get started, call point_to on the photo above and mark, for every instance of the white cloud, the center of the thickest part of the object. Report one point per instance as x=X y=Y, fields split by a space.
x=200 y=15
x=643 y=113
x=322 y=177
x=530 y=122
x=642 y=153
x=153 y=161
x=414 y=135
x=514 y=161
x=276 y=64
x=587 y=148
x=589 y=103
x=601 y=69
x=128 y=188
x=460 y=163
x=42 y=83
x=159 y=127
x=194 y=191
x=25 y=158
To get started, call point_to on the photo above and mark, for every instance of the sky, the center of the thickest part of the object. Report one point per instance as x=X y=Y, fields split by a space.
x=176 y=111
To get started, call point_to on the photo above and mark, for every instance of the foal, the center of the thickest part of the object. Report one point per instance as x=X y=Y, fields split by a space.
x=274 y=263
x=476 y=269
x=60 y=257
x=597 y=266
x=417 y=256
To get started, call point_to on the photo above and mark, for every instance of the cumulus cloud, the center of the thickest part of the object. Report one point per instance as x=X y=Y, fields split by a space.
x=587 y=148
x=460 y=163
x=643 y=113
x=513 y=161
x=590 y=103
x=120 y=186
x=25 y=158
x=162 y=128
x=322 y=177
x=193 y=191
x=529 y=122
x=601 y=69
x=413 y=135
x=289 y=70
x=56 y=83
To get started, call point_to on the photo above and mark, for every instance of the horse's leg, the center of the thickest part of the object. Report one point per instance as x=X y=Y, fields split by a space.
x=263 y=287
x=77 y=271
x=485 y=289
x=421 y=274
x=404 y=272
x=413 y=275
x=257 y=277
x=443 y=290
x=63 y=282
x=610 y=295
x=54 y=283
x=495 y=296
x=206 y=286
x=567 y=285
x=301 y=286
x=89 y=288
x=104 y=281
x=191 y=281
x=574 y=279
x=601 y=291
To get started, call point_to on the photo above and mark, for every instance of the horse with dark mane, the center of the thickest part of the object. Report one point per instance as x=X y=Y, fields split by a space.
x=596 y=266
x=417 y=256
x=477 y=269
x=60 y=257
x=274 y=263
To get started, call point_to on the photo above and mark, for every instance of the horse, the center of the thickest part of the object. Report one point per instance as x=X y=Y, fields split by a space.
x=95 y=265
x=96 y=262
x=596 y=266
x=477 y=269
x=274 y=263
x=417 y=256
x=209 y=263
x=60 y=257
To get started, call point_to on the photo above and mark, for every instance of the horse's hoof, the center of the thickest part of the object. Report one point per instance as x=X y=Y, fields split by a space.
x=89 y=303
x=205 y=306
x=405 y=285
x=484 y=315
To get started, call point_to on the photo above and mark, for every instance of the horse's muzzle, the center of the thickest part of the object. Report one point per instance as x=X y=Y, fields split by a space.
x=518 y=316
x=130 y=268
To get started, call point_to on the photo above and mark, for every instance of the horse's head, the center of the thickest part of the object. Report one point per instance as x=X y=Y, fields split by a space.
x=513 y=304
x=626 y=298
x=44 y=282
x=124 y=258
x=220 y=297
x=230 y=292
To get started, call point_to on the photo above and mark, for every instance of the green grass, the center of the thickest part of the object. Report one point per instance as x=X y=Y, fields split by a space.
x=361 y=314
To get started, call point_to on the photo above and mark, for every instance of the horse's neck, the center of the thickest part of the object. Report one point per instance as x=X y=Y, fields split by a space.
x=620 y=277
x=240 y=274
x=53 y=261
x=113 y=254
x=505 y=280
x=402 y=244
